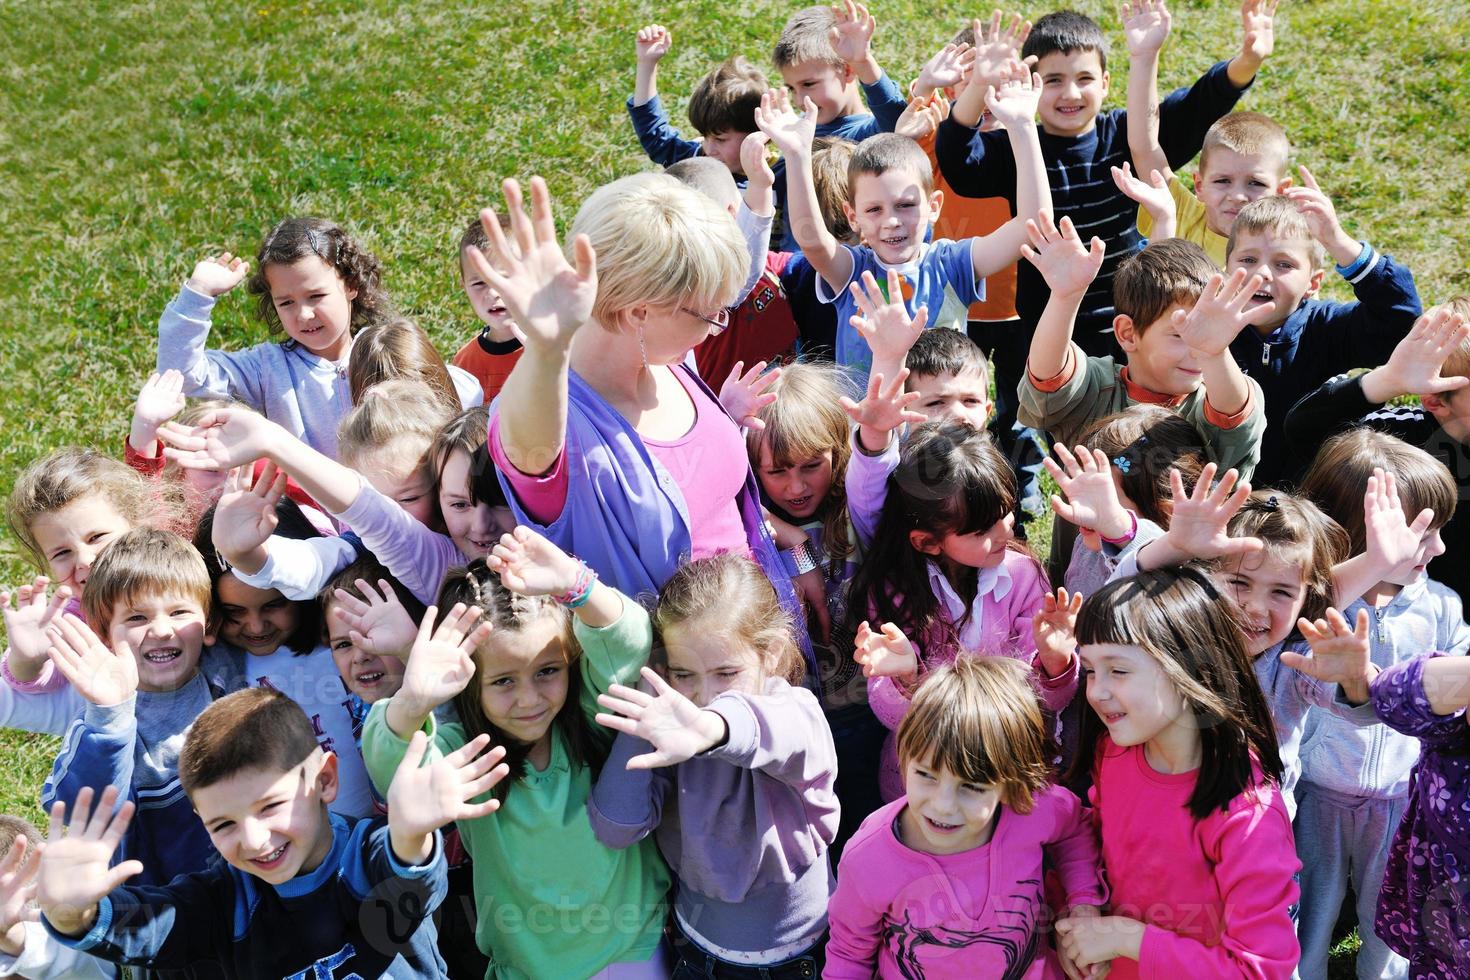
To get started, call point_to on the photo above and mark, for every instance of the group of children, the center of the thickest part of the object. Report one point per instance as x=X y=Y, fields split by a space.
x=337 y=699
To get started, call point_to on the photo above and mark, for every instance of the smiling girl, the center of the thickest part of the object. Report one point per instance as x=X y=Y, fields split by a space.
x=315 y=284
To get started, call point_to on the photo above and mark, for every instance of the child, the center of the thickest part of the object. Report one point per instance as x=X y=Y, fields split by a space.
x=496 y=348
x=1421 y=907
x=946 y=881
x=728 y=738
x=143 y=686
x=300 y=891
x=313 y=282
x=721 y=107
x=26 y=949
x=1196 y=843
x=950 y=373
x=1176 y=355
x=1432 y=363
x=399 y=348
x=940 y=570
x=531 y=685
x=1080 y=142
x=1305 y=341
x=1355 y=781
x=64 y=510
x=893 y=202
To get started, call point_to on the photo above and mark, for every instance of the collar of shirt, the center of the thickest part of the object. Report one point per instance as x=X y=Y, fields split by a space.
x=991 y=582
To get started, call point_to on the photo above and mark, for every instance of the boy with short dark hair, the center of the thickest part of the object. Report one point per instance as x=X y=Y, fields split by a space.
x=1081 y=144
x=950 y=373
x=300 y=891
x=1302 y=341
x=144 y=684
x=491 y=353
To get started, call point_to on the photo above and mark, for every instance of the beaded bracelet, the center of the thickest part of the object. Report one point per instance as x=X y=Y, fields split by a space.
x=579 y=593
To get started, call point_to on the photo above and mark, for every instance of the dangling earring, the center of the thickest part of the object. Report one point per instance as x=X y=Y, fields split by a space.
x=641 y=349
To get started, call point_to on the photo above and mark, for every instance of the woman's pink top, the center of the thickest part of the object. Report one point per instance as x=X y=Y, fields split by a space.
x=899 y=912
x=708 y=464
x=999 y=625
x=1215 y=894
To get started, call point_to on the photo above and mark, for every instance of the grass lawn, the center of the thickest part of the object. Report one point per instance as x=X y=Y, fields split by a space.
x=140 y=136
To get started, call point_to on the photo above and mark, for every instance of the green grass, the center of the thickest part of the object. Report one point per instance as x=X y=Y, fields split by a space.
x=139 y=136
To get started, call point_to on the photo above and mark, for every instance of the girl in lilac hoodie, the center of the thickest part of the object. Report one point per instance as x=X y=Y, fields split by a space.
x=728 y=761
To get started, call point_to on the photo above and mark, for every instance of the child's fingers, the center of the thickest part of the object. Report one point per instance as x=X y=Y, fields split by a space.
x=484 y=783
x=56 y=821
x=413 y=755
x=119 y=875
x=618 y=723
x=426 y=625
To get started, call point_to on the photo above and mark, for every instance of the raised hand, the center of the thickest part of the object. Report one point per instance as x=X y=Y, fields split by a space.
x=885 y=654
x=245 y=516
x=529 y=564
x=676 y=727
x=1059 y=255
x=883 y=320
x=852 y=32
x=377 y=624
x=28 y=615
x=1413 y=367
x=1013 y=103
x=945 y=69
x=102 y=676
x=18 y=884
x=884 y=407
x=1219 y=314
x=1086 y=479
x=745 y=393
x=1145 y=26
x=440 y=663
x=1054 y=628
x=223 y=439
x=1153 y=194
x=753 y=162
x=218 y=274
x=160 y=399
x=922 y=116
x=1258 y=30
x=1392 y=542
x=423 y=798
x=653 y=42
x=995 y=48
x=1199 y=526
x=74 y=874
x=549 y=299
x=791 y=133
x=1341 y=654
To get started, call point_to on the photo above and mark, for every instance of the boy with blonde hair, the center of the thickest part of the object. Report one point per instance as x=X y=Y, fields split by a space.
x=300 y=891
x=1433 y=363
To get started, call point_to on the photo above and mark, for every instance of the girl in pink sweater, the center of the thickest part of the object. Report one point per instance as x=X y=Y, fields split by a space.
x=947 y=881
x=1196 y=843
x=945 y=571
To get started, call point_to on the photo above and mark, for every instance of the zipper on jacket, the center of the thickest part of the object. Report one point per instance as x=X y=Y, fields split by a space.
x=1265 y=354
x=1379 y=629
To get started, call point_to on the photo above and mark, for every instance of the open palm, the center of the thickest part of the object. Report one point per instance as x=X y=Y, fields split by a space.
x=529 y=564
x=885 y=654
x=440 y=664
x=423 y=798
x=676 y=727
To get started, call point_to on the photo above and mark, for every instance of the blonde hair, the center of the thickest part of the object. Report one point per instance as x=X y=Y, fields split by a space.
x=1340 y=473
x=729 y=595
x=1249 y=134
x=398 y=348
x=660 y=244
x=1457 y=364
x=391 y=410
x=831 y=156
x=804 y=421
x=1277 y=216
x=805 y=38
x=71 y=474
x=979 y=719
x=144 y=562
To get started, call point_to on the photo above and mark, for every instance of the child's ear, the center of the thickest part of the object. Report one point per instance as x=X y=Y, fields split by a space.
x=1198 y=179
x=936 y=201
x=327 y=783
x=850 y=215
x=1123 y=329
x=924 y=542
x=1285 y=183
x=1315 y=283
x=849 y=74
x=1107 y=83
x=1433 y=403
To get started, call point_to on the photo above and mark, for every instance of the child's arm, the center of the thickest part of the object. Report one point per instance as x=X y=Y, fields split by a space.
x=160 y=399
x=245 y=516
x=659 y=140
x=1154 y=196
x=792 y=135
x=1341 y=654
x=28 y=615
x=183 y=331
x=857 y=923
x=424 y=798
x=883 y=410
x=852 y=38
x=75 y=875
x=1199 y=527
x=1054 y=631
x=994 y=52
x=40 y=956
x=945 y=69
x=890 y=662
x=1146 y=26
x=1014 y=107
x=1068 y=269
x=626 y=803
x=652 y=43
x=1091 y=503
x=1391 y=541
x=884 y=322
x=1217 y=318
x=745 y=393
x=1425 y=697
x=1073 y=852
x=439 y=667
x=757 y=208
x=1257 y=41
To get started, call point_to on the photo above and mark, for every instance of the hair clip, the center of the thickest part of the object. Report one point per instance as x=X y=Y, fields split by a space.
x=1143 y=439
x=1271 y=503
x=1123 y=463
